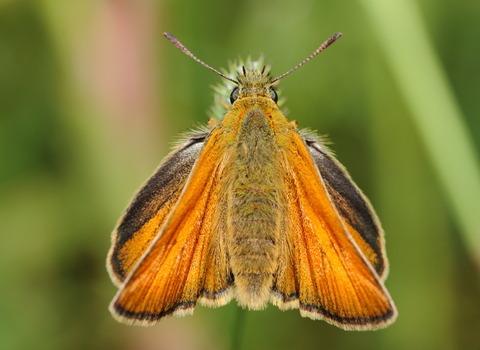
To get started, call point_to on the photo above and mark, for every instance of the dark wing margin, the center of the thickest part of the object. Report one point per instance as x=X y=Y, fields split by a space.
x=352 y=205
x=150 y=207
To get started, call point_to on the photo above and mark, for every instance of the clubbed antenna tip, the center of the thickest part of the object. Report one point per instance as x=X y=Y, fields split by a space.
x=186 y=51
x=322 y=47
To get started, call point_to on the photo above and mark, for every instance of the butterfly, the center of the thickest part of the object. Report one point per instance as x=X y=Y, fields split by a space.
x=251 y=208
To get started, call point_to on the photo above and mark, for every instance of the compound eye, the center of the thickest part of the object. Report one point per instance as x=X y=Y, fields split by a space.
x=273 y=95
x=234 y=95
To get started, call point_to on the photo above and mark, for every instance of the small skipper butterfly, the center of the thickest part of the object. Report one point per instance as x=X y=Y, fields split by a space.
x=251 y=208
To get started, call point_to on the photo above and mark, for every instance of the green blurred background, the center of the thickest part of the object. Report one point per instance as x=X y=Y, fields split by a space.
x=91 y=95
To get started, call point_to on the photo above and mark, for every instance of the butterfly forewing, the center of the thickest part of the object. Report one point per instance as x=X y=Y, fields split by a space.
x=150 y=208
x=331 y=278
x=172 y=274
x=357 y=214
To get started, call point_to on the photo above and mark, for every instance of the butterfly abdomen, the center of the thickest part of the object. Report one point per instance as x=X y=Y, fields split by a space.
x=253 y=219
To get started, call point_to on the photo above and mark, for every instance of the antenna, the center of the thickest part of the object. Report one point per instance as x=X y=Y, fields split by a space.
x=185 y=50
x=326 y=44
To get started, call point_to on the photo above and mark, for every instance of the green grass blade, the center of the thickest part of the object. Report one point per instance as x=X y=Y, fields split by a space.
x=422 y=80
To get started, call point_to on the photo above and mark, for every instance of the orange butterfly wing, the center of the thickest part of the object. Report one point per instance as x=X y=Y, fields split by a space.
x=147 y=213
x=187 y=260
x=354 y=208
x=325 y=273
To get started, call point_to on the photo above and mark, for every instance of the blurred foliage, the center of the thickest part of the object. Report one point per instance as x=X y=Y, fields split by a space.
x=92 y=94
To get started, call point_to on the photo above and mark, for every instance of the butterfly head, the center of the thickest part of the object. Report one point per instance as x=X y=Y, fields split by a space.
x=252 y=82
